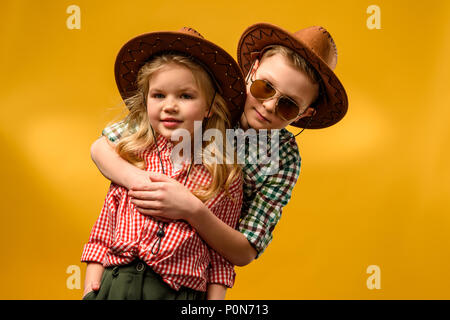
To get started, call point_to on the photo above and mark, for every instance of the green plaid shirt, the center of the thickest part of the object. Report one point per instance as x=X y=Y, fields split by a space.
x=265 y=194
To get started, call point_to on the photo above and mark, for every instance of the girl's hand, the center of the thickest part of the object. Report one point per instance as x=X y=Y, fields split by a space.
x=216 y=291
x=92 y=286
x=94 y=272
x=165 y=198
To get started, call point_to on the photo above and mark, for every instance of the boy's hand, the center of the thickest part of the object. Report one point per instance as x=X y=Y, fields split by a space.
x=165 y=198
x=138 y=180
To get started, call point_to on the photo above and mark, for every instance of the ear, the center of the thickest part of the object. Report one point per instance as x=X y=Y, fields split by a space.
x=309 y=112
x=255 y=66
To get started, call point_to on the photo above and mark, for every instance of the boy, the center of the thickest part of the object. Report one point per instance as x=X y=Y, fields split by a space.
x=289 y=82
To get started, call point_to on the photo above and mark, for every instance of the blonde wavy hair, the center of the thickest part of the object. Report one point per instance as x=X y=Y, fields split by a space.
x=138 y=136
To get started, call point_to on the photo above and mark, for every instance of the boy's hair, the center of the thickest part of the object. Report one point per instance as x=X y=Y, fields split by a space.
x=298 y=62
x=138 y=135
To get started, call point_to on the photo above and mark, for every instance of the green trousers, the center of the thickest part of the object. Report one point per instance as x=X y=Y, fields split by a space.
x=137 y=281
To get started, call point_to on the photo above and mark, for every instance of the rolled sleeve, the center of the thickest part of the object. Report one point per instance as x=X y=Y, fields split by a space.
x=102 y=232
x=221 y=271
x=115 y=131
x=94 y=252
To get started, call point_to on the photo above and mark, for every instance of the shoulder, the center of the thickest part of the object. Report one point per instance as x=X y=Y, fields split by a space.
x=289 y=151
x=289 y=155
x=285 y=158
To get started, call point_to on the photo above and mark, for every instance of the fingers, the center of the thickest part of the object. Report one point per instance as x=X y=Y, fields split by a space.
x=149 y=212
x=155 y=176
x=152 y=186
x=146 y=204
x=95 y=286
x=162 y=219
x=156 y=214
x=143 y=195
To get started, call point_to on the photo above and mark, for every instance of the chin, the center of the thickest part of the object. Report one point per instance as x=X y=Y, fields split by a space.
x=167 y=133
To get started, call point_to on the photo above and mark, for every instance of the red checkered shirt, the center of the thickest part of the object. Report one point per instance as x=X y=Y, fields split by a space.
x=121 y=234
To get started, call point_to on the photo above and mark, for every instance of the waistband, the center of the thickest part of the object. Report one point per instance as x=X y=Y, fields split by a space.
x=136 y=266
x=140 y=268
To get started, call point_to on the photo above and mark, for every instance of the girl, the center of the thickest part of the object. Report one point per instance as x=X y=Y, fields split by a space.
x=168 y=83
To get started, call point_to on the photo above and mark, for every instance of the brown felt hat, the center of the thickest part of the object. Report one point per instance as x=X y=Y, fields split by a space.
x=222 y=68
x=317 y=47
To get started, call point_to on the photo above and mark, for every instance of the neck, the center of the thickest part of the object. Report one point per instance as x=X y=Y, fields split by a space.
x=243 y=122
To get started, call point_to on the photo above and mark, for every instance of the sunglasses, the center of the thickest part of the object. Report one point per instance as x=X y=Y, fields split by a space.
x=286 y=108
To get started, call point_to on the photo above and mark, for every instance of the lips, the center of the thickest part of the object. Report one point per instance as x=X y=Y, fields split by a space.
x=170 y=122
x=260 y=116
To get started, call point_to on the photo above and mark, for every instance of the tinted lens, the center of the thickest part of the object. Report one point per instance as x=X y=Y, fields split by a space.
x=262 y=90
x=287 y=109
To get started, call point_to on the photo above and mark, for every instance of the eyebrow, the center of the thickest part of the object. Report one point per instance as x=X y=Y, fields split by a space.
x=158 y=89
x=188 y=89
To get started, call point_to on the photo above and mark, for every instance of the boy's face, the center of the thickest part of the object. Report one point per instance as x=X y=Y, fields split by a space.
x=288 y=81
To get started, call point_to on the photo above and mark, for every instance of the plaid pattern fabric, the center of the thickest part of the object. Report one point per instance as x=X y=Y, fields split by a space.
x=114 y=131
x=265 y=195
x=122 y=234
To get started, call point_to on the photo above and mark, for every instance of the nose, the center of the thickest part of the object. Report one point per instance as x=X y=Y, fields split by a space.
x=270 y=104
x=170 y=105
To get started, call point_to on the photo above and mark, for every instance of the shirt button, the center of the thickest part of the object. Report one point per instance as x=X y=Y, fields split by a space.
x=140 y=267
x=160 y=233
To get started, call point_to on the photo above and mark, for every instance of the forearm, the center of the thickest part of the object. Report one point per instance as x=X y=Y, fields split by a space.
x=110 y=164
x=228 y=242
x=94 y=272
x=216 y=292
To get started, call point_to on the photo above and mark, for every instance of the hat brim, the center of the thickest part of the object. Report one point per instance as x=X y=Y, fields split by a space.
x=224 y=70
x=332 y=105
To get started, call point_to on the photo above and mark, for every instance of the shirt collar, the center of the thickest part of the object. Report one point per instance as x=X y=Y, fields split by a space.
x=163 y=143
x=284 y=133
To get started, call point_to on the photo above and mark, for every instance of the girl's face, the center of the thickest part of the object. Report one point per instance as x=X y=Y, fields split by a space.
x=291 y=82
x=174 y=100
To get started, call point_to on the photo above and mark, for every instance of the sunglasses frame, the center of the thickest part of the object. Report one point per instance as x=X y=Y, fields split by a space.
x=278 y=99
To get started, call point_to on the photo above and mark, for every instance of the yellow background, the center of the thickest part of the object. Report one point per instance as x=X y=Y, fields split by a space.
x=374 y=189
